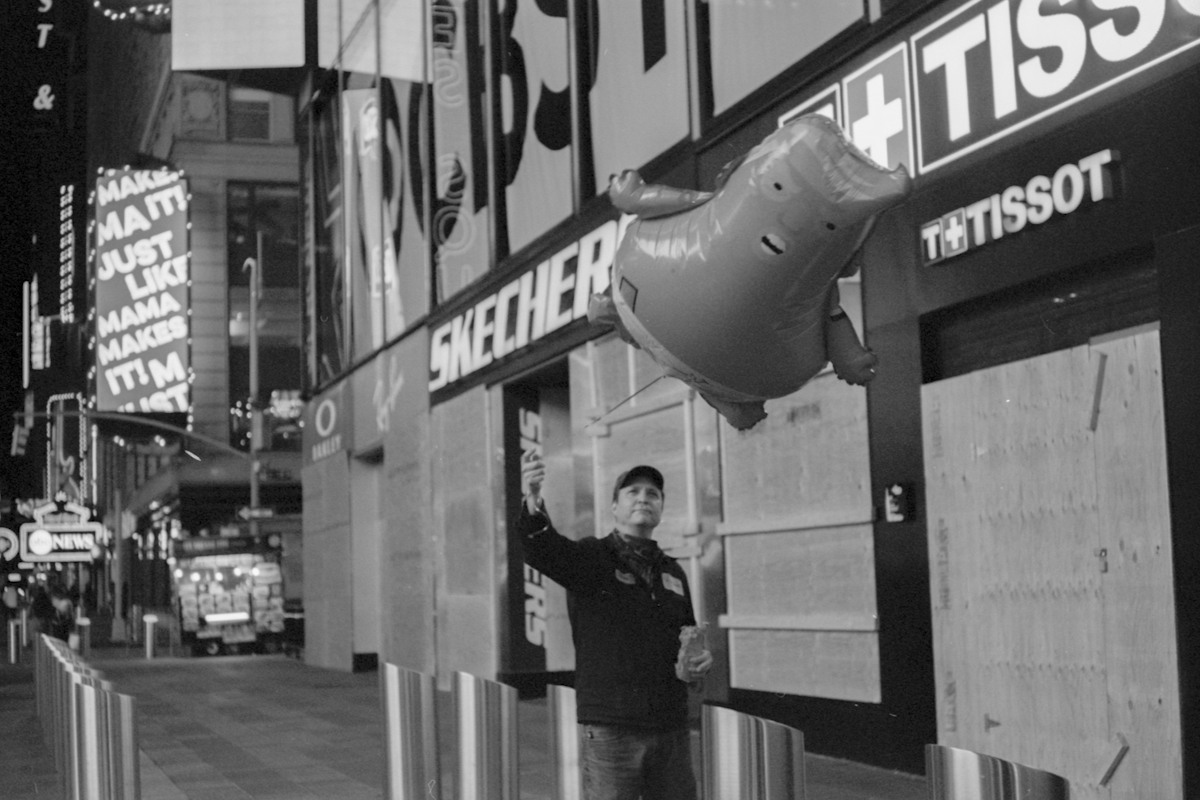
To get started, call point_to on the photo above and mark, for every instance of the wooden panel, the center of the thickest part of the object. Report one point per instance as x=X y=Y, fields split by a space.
x=1134 y=523
x=809 y=456
x=948 y=432
x=817 y=571
x=1050 y=566
x=828 y=621
x=836 y=665
x=1029 y=629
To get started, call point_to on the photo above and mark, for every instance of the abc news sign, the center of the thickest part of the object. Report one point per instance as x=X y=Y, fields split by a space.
x=60 y=541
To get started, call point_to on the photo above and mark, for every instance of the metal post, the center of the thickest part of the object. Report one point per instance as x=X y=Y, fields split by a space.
x=91 y=780
x=14 y=642
x=25 y=627
x=124 y=771
x=564 y=744
x=957 y=774
x=85 y=637
x=255 y=267
x=750 y=758
x=485 y=713
x=412 y=769
x=149 y=619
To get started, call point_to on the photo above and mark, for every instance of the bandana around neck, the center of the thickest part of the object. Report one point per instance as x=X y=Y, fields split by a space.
x=640 y=555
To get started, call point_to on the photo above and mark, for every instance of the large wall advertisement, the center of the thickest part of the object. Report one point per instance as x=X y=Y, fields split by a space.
x=141 y=269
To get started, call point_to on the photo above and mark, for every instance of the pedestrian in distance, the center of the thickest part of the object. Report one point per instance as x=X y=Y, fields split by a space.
x=61 y=622
x=636 y=655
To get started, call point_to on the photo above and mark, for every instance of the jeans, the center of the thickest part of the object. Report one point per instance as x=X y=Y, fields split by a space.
x=620 y=763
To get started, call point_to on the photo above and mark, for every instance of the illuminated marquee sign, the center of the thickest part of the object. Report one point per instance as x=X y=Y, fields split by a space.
x=60 y=541
x=141 y=271
x=540 y=301
x=989 y=69
x=1010 y=211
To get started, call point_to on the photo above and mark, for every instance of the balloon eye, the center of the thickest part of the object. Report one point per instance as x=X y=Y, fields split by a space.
x=773 y=244
x=831 y=226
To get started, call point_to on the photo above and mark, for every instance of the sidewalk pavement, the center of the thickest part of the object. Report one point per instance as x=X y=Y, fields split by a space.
x=271 y=728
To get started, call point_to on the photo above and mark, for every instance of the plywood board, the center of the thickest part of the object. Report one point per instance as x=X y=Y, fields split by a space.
x=817 y=571
x=1042 y=649
x=809 y=456
x=833 y=664
x=1133 y=515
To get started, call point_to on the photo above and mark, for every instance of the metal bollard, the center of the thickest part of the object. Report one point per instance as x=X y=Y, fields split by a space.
x=84 y=626
x=750 y=758
x=956 y=774
x=149 y=620
x=564 y=744
x=91 y=760
x=124 y=771
x=14 y=642
x=412 y=768
x=485 y=713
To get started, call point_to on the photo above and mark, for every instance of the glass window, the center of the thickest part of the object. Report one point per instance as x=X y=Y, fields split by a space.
x=249 y=114
x=779 y=34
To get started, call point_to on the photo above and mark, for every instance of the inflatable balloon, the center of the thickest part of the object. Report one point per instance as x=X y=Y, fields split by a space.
x=734 y=291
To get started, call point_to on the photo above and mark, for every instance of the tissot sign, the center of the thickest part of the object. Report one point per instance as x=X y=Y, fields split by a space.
x=988 y=68
x=141 y=272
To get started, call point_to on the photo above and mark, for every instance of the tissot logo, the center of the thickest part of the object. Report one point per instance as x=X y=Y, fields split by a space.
x=990 y=68
x=1009 y=211
x=877 y=109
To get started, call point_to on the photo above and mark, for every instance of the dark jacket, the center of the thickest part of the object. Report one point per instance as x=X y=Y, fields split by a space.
x=626 y=633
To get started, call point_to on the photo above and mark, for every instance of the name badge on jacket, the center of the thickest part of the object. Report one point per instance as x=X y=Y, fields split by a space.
x=673 y=583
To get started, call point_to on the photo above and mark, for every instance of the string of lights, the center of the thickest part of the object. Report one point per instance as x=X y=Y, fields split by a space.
x=159 y=12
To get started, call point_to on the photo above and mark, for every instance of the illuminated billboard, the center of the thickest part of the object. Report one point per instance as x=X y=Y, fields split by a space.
x=141 y=271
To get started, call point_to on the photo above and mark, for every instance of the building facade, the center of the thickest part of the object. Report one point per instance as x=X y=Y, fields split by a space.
x=909 y=563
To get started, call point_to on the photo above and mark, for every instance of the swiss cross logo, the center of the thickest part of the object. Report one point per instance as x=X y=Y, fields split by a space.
x=877 y=109
x=954 y=233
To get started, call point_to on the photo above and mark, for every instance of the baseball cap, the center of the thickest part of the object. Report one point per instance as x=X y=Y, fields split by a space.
x=640 y=471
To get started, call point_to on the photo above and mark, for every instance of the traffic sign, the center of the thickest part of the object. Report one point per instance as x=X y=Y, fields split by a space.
x=246 y=512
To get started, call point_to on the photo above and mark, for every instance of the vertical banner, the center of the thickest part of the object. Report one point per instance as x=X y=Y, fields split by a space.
x=523 y=646
x=142 y=355
x=535 y=139
x=638 y=102
x=405 y=252
x=361 y=205
x=460 y=221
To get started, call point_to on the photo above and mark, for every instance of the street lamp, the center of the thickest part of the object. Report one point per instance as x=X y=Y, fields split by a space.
x=254 y=265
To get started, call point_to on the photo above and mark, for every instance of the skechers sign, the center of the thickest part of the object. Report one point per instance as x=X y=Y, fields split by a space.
x=540 y=301
x=989 y=69
x=1010 y=211
x=142 y=292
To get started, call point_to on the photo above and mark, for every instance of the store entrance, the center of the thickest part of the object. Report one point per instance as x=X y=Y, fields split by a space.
x=537 y=417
